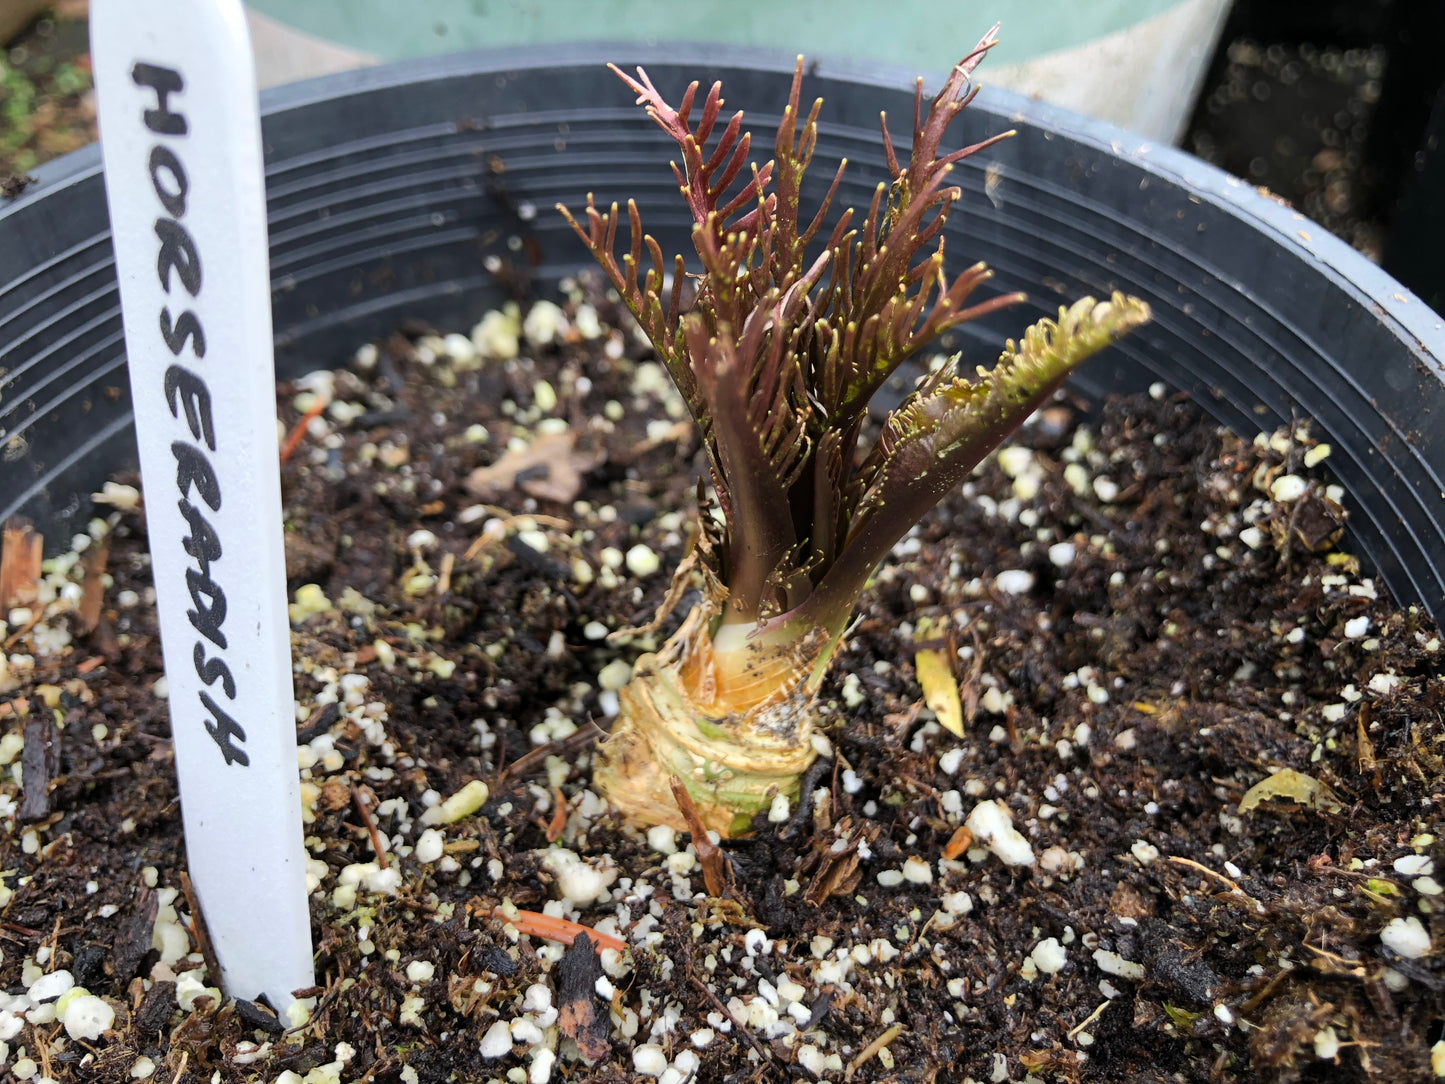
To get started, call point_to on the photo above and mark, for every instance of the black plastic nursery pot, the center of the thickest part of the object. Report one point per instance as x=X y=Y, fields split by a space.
x=425 y=191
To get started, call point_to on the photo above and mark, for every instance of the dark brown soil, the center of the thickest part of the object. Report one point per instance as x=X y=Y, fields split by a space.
x=1120 y=707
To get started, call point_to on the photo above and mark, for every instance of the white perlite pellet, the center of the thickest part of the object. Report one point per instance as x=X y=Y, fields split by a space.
x=956 y=903
x=579 y=881
x=1014 y=460
x=429 y=846
x=86 y=1017
x=917 y=871
x=1407 y=936
x=1415 y=865
x=497 y=1042
x=1111 y=963
x=50 y=986
x=1049 y=956
x=641 y=561
x=1287 y=487
x=1144 y=852
x=649 y=1060
x=541 y=1070
x=779 y=811
x=538 y=998
x=614 y=675
x=812 y=1059
x=1014 y=581
x=992 y=825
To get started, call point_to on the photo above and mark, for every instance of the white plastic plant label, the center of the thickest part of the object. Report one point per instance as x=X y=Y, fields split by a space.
x=181 y=141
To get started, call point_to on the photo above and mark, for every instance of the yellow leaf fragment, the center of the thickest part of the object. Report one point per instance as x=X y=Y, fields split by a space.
x=940 y=688
x=1296 y=786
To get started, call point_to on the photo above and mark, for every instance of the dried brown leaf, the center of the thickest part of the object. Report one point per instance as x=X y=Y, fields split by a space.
x=550 y=469
x=1295 y=786
x=838 y=872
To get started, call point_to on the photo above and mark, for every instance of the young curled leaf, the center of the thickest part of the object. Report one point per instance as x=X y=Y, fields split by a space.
x=783 y=349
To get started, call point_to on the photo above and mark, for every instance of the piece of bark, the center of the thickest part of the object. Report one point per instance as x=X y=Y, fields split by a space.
x=12 y=184
x=257 y=1016
x=838 y=872
x=20 y=557
x=133 y=940
x=155 y=1010
x=92 y=592
x=39 y=763
x=579 y=1014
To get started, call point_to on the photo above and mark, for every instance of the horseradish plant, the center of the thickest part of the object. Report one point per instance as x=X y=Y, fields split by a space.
x=777 y=357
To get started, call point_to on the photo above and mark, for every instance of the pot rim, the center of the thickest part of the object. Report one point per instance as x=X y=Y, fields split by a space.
x=1422 y=329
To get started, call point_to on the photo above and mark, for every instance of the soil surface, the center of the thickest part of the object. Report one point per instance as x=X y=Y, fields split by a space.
x=1145 y=619
x=47 y=106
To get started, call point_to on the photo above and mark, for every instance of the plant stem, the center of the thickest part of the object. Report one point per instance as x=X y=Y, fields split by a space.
x=729 y=716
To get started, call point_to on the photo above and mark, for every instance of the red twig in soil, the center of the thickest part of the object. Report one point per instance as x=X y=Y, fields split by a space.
x=370 y=822
x=559 y=816
x=959 y=842
x=298 y=431
x=199 y=933
x=536 y=924
x=738 y=1028
x=709 y=855
x=566 y=748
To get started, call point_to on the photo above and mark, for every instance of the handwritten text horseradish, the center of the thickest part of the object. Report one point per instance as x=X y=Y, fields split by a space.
x=178 y=264
x=181 y=142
